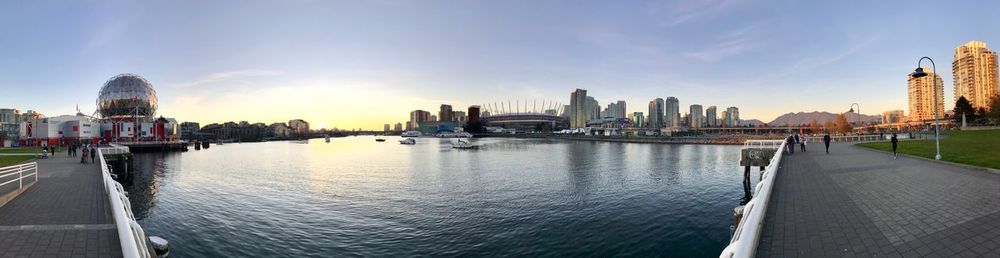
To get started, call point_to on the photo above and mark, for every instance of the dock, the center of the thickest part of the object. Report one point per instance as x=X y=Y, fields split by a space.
x=65 y=214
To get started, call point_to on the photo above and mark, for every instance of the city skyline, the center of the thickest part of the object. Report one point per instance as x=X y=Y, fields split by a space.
x=314 y=64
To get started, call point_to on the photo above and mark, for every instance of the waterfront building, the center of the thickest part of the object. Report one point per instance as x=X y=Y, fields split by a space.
x=638 y=120
x=975 y=74
x=459 y=117
x=188 y=130
x=697 y=116
x=722 y=118
x=398 y=127
x=31 y=115
x=672 y=115
x=434 y=118
x=578 y=109
x=593 y=108
x=892 y=116
x=280 y=130
x=9 y=134
x=10 y=116
x=921 y=93
x=566 y=111
x=445 y=113
x=731 y=117
x=656 y=113
x=551 y=112
x=417 y=116
x=242 y=131
x=299 y=127
x=620 y=110
x=386 y=128
x=711 y=120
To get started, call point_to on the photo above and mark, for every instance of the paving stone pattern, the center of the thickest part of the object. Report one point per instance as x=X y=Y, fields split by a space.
x=863 y=203
x=65 y=214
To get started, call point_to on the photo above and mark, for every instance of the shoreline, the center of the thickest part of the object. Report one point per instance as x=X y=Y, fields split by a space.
x=659 y=140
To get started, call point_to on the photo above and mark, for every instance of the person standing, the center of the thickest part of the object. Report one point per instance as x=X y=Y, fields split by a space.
x=802 y=143
x=790 y=145
x=83 y=159
x=826 y=141
x=93 y=154
x=895 y=142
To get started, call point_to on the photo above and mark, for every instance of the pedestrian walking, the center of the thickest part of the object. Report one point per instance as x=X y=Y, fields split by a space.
x=790 y=145
x=895 y=142
x=83 y=159
x=93 y=154
x=826 y=141
x=802 y=143
x=69 y=151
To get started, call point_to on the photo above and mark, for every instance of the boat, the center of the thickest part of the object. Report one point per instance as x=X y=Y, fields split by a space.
x=411 y=134
x=453 y=135
x=379 y=139
x=408 y=141
x=463 y=145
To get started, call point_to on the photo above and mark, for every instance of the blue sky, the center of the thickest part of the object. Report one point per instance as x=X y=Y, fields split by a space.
x=353 y=64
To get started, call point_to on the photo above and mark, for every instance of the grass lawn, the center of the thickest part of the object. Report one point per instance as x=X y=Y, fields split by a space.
x=25 y=150
x=978 y=148
x=14 y=160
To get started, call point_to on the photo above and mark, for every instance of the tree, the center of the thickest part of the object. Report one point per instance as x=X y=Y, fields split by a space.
x=829 y=127
x=994 y=114
x=814 y=126
x=842 y=125
x=962 y=106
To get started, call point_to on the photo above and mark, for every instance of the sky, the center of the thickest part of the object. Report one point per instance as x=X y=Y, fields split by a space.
x=361 y=64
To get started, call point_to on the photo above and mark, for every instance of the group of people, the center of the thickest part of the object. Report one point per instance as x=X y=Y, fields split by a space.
x=88 y=150
x=798 y=139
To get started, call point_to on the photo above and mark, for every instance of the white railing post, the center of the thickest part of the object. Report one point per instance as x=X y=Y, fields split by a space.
x=20 y=177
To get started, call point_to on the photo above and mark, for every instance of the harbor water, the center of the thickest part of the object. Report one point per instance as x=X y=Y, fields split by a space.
x=511 y=197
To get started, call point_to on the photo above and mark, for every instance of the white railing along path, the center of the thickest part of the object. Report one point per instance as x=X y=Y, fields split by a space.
x=130 y=234
x=18 y=173
x=747 y=234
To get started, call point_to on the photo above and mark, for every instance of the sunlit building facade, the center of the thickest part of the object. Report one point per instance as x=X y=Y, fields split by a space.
x=974 y=74
x=921 y=93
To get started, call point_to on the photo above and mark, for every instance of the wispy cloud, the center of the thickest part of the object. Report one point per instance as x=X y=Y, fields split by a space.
x=227 y=76
x=680 y=12
x=810 y=63
x=730 y=43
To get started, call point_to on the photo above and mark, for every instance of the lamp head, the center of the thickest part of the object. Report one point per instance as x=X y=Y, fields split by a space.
x=919 y=72
x=851 y=111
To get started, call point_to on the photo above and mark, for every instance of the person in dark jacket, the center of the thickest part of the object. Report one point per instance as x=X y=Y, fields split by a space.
x=83 y=159
x=790 y=144
x=895 y=142
x=826 y=141
x=93 y=154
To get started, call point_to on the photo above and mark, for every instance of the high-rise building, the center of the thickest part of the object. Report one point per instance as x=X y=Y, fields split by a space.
x=638 y=120
x=594 y=108
x=299 y=126
x=459 y=117
x=386 y=128
x=731 y=117
x=722 y=118
x=445 y=114
x=711 y=120
x=188 y=130
x=578 y=109
x=620 y=109
x=656 y=113
x=892 y=116
x=673 y=112
x=922 y=96
x=697 y=116
x=416 y=117
x=398 y=127
x=974 y=74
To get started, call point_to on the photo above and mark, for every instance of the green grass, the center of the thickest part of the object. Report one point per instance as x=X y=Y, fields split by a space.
x=14 y=160
x=978 y=148
x=26 y=150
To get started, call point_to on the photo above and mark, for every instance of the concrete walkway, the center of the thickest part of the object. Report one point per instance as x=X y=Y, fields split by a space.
x=65 y=214
x=862 y=203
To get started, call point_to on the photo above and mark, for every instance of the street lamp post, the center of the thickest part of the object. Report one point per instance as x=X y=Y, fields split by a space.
x=857 y=117
x=919 y=72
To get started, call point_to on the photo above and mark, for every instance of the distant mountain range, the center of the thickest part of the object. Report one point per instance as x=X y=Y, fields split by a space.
x=820 y=117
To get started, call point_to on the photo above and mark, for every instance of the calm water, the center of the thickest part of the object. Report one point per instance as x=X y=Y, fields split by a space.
x=513 y=197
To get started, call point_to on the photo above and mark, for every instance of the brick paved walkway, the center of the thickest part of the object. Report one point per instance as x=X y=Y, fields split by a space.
x=857 y=202
x=65 y=214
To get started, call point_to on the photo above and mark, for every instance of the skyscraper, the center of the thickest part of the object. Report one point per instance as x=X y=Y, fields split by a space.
x=656 y=113
x=397 y=127
x=386 y=128
x=975 y=73
x=621 y=109
x=732 y=117
x=921 y=96
x=697 y=116
x=445 y=114
x=593 y=108
x=638 y=120
x=673 y=112
x=892 y=116
x=416 y=117
x=711 y=120
x=578 y=109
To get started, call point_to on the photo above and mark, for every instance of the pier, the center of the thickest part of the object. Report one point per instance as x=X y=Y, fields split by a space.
x=863 y=203
x=71 y=210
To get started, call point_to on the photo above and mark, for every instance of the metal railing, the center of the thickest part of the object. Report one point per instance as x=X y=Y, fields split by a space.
x=762 y=144
x=19 y=172
x=747 y=233
x=846 y=138
x=130 y=235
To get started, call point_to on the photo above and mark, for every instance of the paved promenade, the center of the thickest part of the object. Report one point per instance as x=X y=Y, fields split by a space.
x=861 y=203
x=65 y=214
